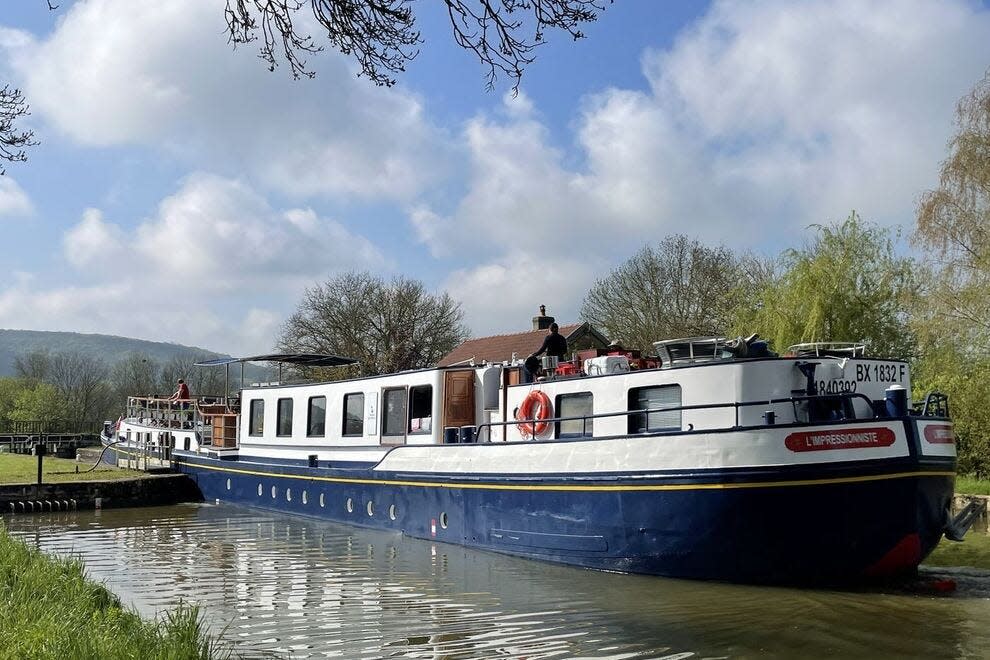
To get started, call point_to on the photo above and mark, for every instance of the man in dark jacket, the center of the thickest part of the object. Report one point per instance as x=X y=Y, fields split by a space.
x=553 y=344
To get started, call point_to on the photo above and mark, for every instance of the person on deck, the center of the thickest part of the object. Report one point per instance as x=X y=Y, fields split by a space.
x=553 y=344
x=182 y=392
x=182 y=397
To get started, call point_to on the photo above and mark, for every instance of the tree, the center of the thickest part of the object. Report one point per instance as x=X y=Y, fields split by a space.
x=201 y=380
x=846 y=285
x=387 y=326
x=28 y=400
x=382 y=36
x=135 y=374
x=13 y=140
x=954 y=232
x=32 y=366
x=952 y=314
x=80 y=381
x=680 y=288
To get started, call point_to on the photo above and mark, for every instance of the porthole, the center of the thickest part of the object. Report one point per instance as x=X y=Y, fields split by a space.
x=391 y=512
x=228 y=484
x=350 y=505
x=305 y=498
x=288 y=494
x=260 y=490
x=323 y=501
x=371 y=508
x=274 y=492
x=443 y=520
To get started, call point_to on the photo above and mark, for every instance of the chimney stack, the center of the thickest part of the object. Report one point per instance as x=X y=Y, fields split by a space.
x=542 y=322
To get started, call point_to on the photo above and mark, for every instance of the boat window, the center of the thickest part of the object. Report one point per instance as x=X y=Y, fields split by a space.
x=283 y=423
x=256 y=425
x=575 y=405
x=354 y=414
x=316 y=418
x=394 y=413
x=651 y=398
x=421 y=409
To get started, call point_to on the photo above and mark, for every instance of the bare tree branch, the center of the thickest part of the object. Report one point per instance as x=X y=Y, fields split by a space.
x=12 y=140
x=382 y=36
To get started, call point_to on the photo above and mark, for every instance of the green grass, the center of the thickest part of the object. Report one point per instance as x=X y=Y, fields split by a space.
x=973 y=551
x=22 y=469
x=50 y=610
x=972 y=486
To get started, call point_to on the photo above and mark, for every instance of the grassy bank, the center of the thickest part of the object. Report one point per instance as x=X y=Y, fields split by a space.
x=50 y=610
x=972 y=486
x=973 y=551
x=21 y=469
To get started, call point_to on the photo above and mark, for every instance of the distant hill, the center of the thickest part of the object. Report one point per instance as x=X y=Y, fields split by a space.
x=107 y=347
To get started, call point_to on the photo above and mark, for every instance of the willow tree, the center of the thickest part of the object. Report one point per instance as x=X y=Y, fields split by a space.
x=846 y=284
x=679 y=288
x=954 y=232
x=387 y=326
x=953 y=313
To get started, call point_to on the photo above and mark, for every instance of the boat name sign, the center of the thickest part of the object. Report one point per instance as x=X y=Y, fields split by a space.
x=840 y=439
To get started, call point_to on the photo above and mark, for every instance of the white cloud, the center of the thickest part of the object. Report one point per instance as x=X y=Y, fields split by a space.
x=162 y=74
x=212 y=250
x=219 y=235
x=92 y=241
x=558 y=280
x=762 y=118
x=13 y=200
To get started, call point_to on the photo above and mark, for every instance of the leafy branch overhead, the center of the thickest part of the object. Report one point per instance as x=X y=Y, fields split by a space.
x=382 y=35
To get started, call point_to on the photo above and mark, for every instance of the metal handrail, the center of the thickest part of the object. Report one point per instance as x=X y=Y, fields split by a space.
x=53 y=426
x=707 y=406
x=938 y=401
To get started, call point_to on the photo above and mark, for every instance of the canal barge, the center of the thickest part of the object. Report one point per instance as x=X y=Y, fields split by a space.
x=716 y=459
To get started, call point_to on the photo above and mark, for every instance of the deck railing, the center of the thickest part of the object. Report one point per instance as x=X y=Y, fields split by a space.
x=814 y=416
x=213 y=417
x=47 y=427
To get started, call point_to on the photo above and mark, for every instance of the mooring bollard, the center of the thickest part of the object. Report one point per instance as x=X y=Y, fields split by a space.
x=39 y=450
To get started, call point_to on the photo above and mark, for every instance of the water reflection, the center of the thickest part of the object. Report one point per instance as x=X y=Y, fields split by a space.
x=313 y=589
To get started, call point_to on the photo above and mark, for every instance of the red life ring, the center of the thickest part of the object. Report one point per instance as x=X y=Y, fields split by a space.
x=536 y=423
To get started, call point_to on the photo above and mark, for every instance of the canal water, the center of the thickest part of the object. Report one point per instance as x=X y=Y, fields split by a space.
x=308 y=589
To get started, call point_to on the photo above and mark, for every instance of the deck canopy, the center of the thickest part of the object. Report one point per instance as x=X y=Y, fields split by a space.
x=301 y=359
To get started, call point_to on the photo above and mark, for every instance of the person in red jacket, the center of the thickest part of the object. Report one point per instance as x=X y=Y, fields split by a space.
x=182 y=393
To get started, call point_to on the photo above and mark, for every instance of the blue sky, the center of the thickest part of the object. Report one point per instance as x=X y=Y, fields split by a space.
x=184 y=193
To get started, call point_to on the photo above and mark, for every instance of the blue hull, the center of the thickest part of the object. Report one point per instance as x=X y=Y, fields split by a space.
x=794 y=525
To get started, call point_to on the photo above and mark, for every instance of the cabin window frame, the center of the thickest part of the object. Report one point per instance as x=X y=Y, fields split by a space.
x=640 y=423
x=409 y=410
x=309 y=417
x=588 y=429
x=343 y=414
x=256 y=422
x=279 y=418
x=391 y=435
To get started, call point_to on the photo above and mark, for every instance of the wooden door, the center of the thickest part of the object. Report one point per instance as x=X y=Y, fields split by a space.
x=458 y=398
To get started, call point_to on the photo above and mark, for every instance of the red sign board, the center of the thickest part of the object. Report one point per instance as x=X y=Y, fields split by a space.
x=940 y=434
x=840 y=439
